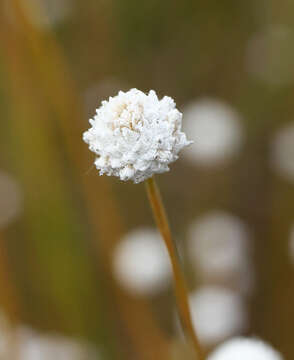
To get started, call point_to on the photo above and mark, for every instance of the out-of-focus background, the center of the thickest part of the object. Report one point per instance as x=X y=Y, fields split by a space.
x=83 y=274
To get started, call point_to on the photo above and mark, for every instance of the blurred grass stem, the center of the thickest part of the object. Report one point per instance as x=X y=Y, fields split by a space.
x=179 y=279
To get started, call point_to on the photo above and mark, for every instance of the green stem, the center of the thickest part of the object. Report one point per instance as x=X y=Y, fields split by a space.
x=179 y=279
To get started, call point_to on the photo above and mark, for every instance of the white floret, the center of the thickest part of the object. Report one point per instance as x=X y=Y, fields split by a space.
x=135 y=135
x=245 y=349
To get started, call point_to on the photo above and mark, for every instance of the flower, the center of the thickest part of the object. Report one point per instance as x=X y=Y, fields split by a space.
x=24 y=343
x=244 y=349
x=219 y=250
x=217 y=313
x=140 y=262
x=217 y=130
x=135 y=135
x=34 y=346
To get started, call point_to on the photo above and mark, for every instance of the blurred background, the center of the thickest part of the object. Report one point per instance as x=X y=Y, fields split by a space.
x=83 y=274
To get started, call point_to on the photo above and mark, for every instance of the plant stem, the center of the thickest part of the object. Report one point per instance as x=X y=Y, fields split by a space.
x=179 y=279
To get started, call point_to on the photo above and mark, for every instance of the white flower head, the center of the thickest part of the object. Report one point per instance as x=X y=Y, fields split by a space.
x=219 y=250
x=245 y=349
x=135 y=135
x=217 y=129
x=35 y=346
x=217 y=313
x=141 y=263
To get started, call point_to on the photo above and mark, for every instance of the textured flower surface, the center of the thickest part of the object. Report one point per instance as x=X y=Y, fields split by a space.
x=135 y=135
x=245 y=349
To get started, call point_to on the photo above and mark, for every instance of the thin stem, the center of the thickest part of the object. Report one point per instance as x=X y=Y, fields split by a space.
x=179 y=279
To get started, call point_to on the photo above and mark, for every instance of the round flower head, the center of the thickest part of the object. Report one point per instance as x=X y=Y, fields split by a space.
x=135 y=135
x=245 y=349
x=217 y=313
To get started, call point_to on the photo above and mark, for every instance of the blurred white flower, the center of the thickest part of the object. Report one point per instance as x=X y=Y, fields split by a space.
x=33 y=346
x=244 y=349
x=23 y=343
x=217 y=313
x=282 y=154
x=135 y=135
x=42 y=14
x=216 y=130
x=218 y=248
x=47 y=13
x=141 y=263
x=11 y=199
x=269 y=56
